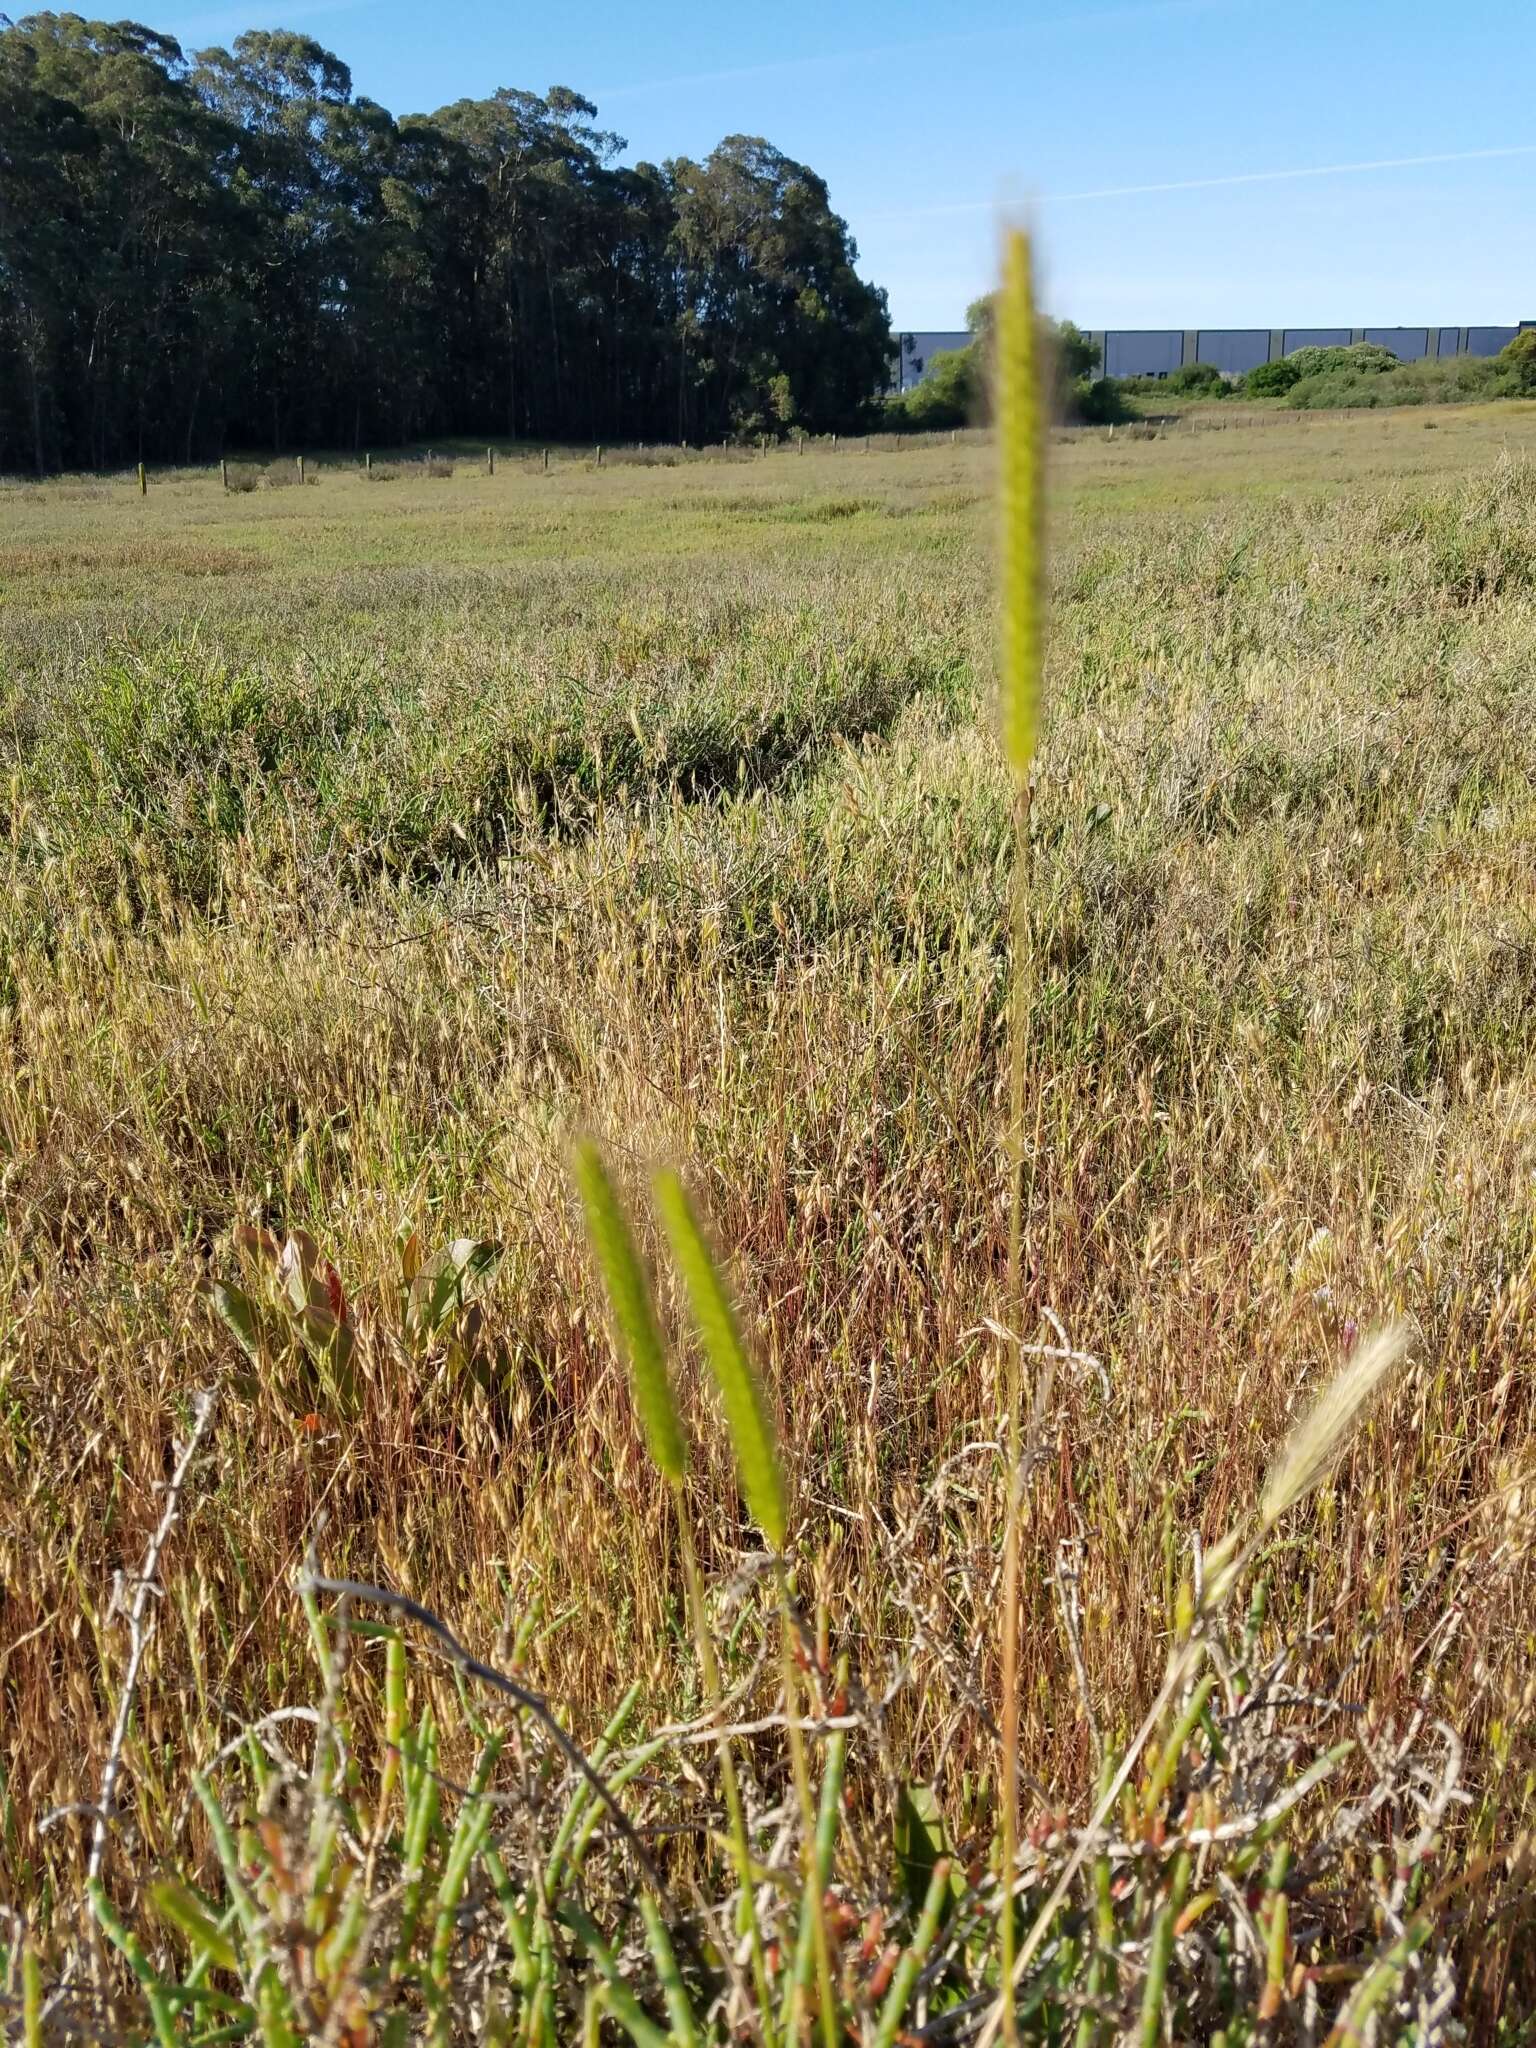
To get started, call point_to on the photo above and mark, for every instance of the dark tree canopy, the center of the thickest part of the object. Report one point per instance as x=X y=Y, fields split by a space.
x=234 y=251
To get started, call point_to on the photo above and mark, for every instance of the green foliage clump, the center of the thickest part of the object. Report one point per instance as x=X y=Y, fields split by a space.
x=1356 y=360
x=1272 y=379
x=1453 y=380
x=1098 y=402
x=1517 y=359
x=954 y=392
x=1201 y=380
x=1360 y=358
x=951 y=395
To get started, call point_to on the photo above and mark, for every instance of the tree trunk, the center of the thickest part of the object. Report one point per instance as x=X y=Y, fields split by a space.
x=197 y=392
x=37 y=414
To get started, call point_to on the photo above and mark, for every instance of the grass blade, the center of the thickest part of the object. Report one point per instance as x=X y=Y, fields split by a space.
x=685 y=2033
x=623 y=2004
x=156 y=1994
x=914 y=1956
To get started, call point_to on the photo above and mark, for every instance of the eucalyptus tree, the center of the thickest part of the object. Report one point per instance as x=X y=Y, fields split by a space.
x=236 y=250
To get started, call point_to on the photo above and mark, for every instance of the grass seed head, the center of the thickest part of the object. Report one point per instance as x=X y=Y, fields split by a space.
x=741 y=1391
x=1314 y=1446
x=634 y=1322
x=1021 y=431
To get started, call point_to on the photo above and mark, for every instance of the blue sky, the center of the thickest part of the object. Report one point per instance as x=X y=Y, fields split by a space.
x=927 y=120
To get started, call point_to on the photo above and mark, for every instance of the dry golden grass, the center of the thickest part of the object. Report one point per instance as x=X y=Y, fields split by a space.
x=662 y=804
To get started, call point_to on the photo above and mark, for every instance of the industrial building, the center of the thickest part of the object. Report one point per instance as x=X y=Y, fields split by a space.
x=1155 y=352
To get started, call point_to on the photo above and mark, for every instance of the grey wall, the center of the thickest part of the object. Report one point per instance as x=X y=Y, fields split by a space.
x=1234 y=350
x=1407 y=343
x=1316 y=337
x=1487 y=341
x=1155 y=351
x=917 y=352
x=1150 y=353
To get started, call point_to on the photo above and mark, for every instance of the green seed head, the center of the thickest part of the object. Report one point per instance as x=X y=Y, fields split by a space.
x=741 y=1393
x=634 y=1322
x=1021 y=425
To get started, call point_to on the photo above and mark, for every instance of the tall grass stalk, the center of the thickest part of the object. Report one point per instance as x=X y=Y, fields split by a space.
x=640 y=1342
x=762 y=1482
x=1021 y=441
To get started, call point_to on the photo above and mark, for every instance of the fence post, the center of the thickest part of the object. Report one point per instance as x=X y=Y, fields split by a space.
x=368 y=463
x=599 y=454
x=300 y=460
x=490 y=461
x=546 y=462
x=224 y=471
x=143 y=482
x=834 y=444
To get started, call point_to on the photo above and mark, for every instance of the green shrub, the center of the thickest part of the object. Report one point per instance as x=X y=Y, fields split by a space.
x=1357 y=361
x=1098 y=402
x=954 y=392
x=1456 y=380
x=1359 y=358
x=949 y=396
x=1272 y=379
x=1365 y=374
x=1202 y=378
x=1518 y=360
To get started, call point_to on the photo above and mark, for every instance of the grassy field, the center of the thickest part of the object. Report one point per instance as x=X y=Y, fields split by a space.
x=364 y=842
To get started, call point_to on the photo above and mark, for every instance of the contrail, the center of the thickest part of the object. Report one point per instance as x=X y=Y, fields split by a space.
x=1379 y=163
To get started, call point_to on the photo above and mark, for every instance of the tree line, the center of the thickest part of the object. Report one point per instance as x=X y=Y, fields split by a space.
x=233 y=251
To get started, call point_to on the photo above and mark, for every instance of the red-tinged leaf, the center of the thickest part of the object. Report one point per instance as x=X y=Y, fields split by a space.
x=260 y=1244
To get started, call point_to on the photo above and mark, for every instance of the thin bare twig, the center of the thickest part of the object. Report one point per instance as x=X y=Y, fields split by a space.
x=139 y=1633
x=521 y=1695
